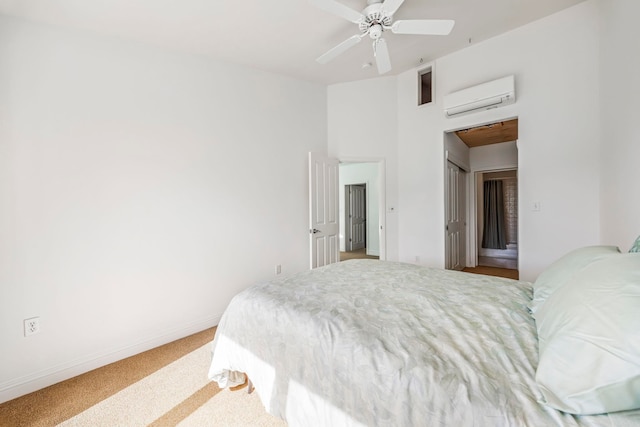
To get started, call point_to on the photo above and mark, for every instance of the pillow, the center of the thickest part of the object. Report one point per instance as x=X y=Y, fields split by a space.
x=589 y=339
x=564 y=268
x=636 y=246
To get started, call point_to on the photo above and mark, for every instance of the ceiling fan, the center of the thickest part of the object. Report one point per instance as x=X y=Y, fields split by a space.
x=376 y=18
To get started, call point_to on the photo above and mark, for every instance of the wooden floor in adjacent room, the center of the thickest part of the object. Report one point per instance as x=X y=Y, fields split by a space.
x=357 y=254
x=493 y=271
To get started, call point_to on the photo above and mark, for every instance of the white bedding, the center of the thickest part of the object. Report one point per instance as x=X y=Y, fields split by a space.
x=377 y=343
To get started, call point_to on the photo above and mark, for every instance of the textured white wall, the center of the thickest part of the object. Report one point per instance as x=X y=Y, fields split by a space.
x=140 y=190
x=620 y=90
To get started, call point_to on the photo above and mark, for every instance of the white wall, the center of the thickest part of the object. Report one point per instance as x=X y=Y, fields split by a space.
x=494 y=156
x=362 y=125
x=362 y=173
x=620 y=65
x=140 y=190
x=555 y=62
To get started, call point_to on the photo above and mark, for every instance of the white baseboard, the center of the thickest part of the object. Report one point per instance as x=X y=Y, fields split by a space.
x=29 y=383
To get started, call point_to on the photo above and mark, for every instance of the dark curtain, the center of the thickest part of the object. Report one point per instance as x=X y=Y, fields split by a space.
x=495 y=233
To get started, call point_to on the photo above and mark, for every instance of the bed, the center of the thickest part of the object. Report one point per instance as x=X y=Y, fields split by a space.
x=378 y=343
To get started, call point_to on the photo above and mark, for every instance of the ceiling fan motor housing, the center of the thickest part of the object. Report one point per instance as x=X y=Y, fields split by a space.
x=374 y=17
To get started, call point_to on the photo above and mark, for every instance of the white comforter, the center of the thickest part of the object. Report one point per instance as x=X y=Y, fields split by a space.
x=389 y=344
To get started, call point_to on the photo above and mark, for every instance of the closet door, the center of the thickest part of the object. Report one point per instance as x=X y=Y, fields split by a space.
x=455 y=241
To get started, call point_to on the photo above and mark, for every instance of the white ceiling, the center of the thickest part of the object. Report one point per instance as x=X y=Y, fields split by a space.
x=284 y=36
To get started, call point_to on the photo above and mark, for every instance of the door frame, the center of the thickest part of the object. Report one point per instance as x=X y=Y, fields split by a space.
x=473 y=210
x=382 y=198
x=472 y=220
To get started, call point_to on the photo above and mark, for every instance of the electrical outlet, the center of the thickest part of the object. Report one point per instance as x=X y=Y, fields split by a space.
x=31 y=326
x=278 y=269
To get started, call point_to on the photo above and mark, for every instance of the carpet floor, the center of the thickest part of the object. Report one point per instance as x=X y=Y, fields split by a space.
x=165 y=386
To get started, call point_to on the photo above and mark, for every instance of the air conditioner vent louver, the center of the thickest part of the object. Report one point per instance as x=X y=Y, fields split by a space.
x=493 y=94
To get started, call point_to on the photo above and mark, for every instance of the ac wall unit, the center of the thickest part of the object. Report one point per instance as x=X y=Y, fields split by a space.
x=493 y=94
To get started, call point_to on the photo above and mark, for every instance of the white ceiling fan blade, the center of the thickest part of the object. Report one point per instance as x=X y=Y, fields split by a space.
x=339 y=9
x=382 y=56
x=436 y=27
x=390 y=6
x=339 y=49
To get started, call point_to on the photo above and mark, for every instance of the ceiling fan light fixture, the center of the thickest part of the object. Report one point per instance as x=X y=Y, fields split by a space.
x=375 y=31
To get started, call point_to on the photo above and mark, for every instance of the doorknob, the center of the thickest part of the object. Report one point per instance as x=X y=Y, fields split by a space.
x=315 y=230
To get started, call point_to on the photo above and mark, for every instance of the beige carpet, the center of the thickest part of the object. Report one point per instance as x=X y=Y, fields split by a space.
x=167 y=386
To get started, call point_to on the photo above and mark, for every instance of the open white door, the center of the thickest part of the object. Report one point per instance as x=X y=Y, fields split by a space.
x=455 y=212
x=323 y=210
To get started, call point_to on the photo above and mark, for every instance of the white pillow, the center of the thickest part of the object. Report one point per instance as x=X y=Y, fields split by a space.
x=589 y=339
x=565 y=268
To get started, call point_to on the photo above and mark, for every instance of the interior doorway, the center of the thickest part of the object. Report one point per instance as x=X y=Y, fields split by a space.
x=361 y=210
x=497 y=218
x=489 y=153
